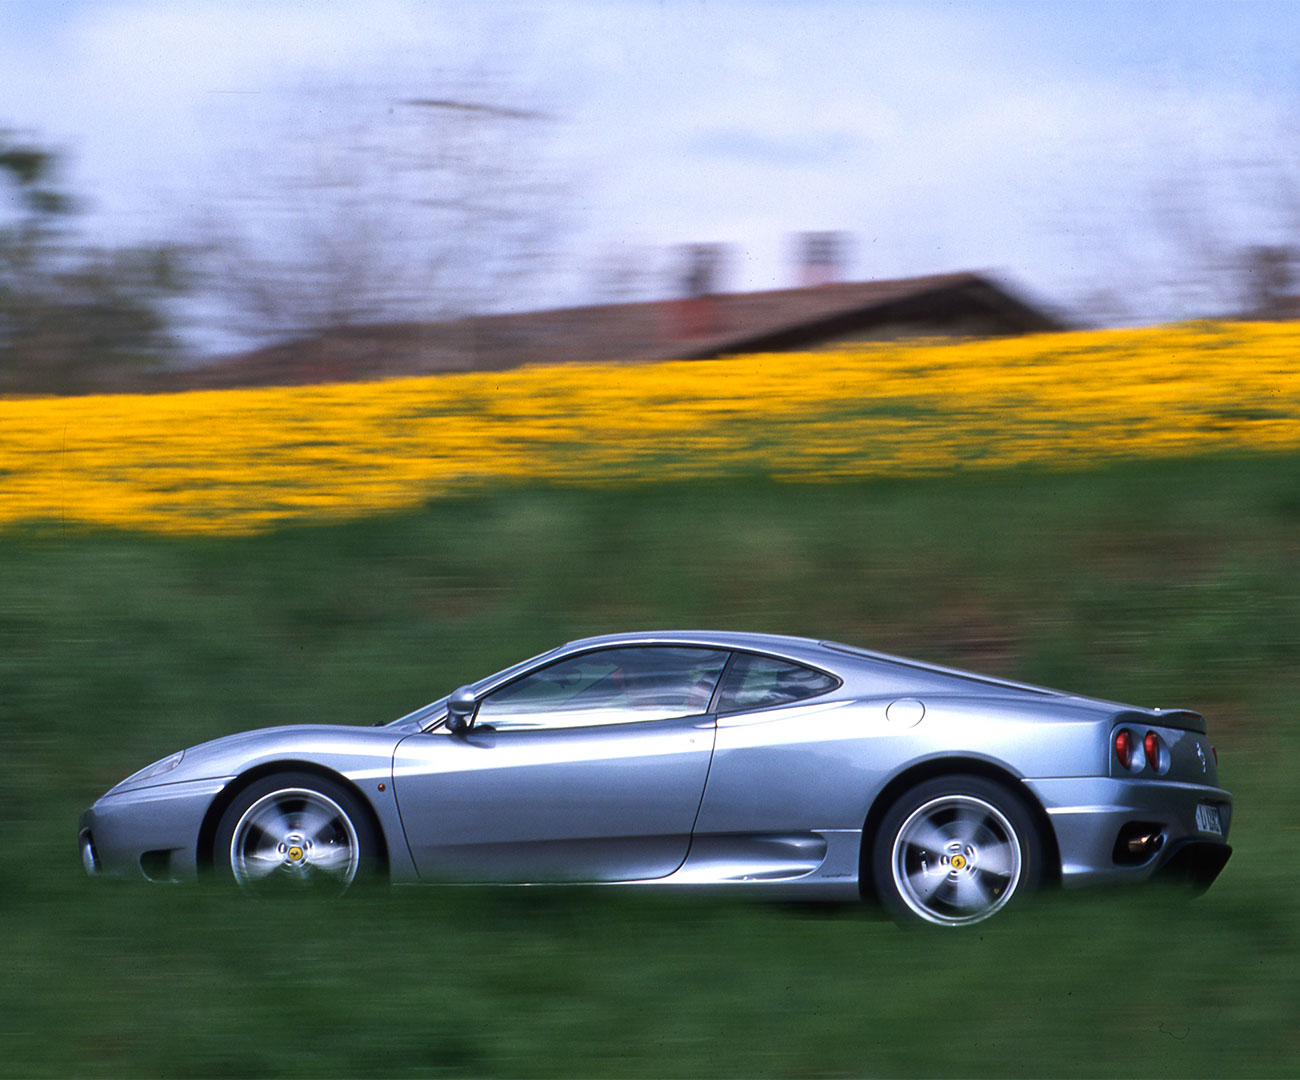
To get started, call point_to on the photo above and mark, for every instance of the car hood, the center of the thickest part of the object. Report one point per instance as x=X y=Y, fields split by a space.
x=355 y=752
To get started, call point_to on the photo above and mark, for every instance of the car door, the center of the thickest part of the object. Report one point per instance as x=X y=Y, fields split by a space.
x=588 y=768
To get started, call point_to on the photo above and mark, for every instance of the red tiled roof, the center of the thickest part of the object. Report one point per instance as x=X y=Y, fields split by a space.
x=633 y=332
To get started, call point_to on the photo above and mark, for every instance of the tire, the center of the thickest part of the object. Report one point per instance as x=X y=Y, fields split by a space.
x=954 y=851
x=295 y=832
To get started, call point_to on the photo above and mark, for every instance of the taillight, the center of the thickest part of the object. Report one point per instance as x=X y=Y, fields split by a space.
x=1124 y=747
x=1215 y=751
x=1151 y=747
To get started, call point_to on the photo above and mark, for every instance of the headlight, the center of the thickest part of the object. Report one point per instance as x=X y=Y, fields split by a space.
x=155 y=770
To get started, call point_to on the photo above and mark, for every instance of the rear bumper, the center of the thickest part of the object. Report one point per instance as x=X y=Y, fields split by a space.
x=1091 y=816
x=1195 y=864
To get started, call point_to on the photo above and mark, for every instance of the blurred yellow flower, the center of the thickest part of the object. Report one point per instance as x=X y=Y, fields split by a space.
x=246 y=460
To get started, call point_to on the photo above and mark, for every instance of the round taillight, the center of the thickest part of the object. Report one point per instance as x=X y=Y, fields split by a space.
x=1124 y=747
x=1151 y=747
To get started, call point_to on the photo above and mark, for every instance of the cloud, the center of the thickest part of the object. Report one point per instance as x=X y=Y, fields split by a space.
x=761 y=148
x=939 y=134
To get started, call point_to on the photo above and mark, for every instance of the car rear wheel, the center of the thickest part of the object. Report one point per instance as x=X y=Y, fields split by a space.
x=295 y=831
x=954 y=851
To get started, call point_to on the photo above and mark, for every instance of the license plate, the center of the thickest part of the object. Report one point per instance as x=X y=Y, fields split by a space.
x=1207 y=819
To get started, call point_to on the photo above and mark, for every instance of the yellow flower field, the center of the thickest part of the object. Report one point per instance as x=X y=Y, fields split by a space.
x=245 y=460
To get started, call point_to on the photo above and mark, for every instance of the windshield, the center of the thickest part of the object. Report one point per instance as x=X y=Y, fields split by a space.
x=422 y=717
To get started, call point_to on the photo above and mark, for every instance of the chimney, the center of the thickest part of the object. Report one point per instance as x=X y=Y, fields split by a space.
x=696 y=310
x=821 y=258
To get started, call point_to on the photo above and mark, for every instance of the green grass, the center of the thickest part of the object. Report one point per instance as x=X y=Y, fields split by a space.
x=1164 y=584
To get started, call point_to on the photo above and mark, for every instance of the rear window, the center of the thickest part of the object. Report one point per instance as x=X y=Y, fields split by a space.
x=759 y=682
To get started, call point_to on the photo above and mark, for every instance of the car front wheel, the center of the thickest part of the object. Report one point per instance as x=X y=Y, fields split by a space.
x=955 y=850
x=295 y=831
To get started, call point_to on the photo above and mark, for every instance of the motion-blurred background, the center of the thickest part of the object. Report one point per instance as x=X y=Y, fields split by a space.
x=191 y=181
x=924 y=254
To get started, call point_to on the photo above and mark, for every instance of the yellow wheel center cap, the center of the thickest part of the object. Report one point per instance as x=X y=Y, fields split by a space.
x=958 y=862
x=295 y=853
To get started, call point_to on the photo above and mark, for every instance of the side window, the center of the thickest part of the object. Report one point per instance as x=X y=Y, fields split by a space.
x=611 y=686
x=758 y=682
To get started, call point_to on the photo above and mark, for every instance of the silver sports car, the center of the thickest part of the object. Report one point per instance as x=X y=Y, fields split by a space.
x=778 y=766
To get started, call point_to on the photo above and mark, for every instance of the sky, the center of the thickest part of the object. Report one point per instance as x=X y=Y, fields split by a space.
x=1107 y=159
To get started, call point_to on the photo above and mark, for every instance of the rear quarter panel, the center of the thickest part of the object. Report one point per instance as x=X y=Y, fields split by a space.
x=822 y=765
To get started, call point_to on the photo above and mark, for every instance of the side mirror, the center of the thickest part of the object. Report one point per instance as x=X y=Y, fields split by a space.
x=460 y=710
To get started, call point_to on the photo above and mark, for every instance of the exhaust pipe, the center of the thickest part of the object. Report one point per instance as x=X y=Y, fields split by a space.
x=1146 y=845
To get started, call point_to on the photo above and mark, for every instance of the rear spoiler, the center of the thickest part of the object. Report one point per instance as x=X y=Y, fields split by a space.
x=1183 y=719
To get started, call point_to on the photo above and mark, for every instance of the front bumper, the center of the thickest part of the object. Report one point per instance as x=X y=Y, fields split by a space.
x=149 y=832
x=1092 y=816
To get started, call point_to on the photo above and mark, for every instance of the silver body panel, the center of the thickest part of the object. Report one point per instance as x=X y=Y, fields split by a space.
x=588 y=804
x=772 y=800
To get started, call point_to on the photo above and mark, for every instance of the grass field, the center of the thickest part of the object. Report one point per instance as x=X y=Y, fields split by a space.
x=1162 y=582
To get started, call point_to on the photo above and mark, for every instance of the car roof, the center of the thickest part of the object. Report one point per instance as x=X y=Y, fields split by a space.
x=828 y=654
x=778 y=644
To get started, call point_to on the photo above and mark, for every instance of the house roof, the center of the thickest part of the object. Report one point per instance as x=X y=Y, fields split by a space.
x=718 y=325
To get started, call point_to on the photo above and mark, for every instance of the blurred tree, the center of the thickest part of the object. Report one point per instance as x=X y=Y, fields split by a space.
x=625 y=273
x=360 y=207
x=1268 y=277
x=72 y=318
x=1224 y=222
